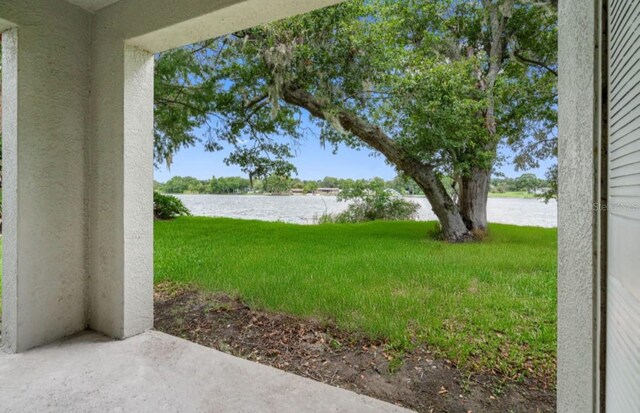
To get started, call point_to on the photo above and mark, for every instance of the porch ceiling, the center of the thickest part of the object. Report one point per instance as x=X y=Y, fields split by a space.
x=93 y=5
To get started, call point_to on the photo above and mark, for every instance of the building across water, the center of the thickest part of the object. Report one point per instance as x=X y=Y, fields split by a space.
x=327 y=191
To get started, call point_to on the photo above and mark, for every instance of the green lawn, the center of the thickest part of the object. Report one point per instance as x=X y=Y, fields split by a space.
x=487 y=306
x=0 y=275
x=522 y=194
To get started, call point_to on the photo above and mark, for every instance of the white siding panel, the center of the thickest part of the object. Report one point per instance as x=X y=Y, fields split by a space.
x=620 y=141
x=630 y=179
x=626 y=120
x=623 y=155
x=624 y=250
x=623 y=210
x=624 y=36
x=623 y=347
x=624 y=191
x=622 y=77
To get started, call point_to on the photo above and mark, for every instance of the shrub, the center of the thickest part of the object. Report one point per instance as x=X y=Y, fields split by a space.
x=371 y=201
x=167 y=207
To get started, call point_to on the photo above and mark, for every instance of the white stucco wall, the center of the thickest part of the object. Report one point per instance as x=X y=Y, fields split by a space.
x=578 y=159
x=120 y=190
x=9 y=191
x=121 y=173
x=45 y=124
x=78 y=130
x=171 y=25
x=92 y=5
x=5 y=25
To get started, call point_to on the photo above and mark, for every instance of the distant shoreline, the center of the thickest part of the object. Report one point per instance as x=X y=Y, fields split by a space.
x=511 y=195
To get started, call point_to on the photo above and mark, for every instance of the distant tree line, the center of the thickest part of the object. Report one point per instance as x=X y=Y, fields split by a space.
x=191 y=185
x=524 y=183
x=527 y=182
x=273 y=184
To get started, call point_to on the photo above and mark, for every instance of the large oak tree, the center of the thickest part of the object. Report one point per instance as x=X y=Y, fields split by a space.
x=433 y=86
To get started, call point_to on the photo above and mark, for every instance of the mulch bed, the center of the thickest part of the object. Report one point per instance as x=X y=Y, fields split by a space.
x=322 y=352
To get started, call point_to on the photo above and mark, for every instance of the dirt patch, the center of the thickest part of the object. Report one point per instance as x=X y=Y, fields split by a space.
x=322 y=352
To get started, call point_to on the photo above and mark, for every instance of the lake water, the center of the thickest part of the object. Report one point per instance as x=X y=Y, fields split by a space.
x=305 y=209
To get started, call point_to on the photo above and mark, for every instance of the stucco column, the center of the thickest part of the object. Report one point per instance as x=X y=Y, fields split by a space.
x=121 y=187
x=580 y=156
x=78 y=155
x=45 y=92
x=121 y=150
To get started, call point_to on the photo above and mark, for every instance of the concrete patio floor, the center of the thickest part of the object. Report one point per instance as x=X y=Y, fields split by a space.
x=156 y=372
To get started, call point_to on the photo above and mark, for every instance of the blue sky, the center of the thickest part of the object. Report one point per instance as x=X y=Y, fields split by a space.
x=312 y=161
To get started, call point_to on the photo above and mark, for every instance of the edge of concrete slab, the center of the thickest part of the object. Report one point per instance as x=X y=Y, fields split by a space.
x=155 y=372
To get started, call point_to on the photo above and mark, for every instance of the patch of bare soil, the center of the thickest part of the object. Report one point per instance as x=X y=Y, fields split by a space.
x=322 y=352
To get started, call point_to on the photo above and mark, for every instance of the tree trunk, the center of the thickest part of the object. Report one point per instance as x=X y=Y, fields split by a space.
x=472 y=199
x=474 y=187
x=453 y=227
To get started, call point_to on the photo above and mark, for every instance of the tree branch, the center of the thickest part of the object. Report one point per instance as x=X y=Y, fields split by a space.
x=256 y=101
x=536 y=63
x=165 y=101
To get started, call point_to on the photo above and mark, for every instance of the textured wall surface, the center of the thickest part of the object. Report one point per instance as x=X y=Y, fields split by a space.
x=78 y=136
x=138 y=167
x=172 y=24
x=10 y=187
x=121 y=173
x=578 y=155
x=121 y=182
x=93 y=5
x=46 y=87
x=79 y=139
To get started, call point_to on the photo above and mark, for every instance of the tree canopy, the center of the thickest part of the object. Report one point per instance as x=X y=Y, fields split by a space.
x=434 y=86
x=418 y=69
